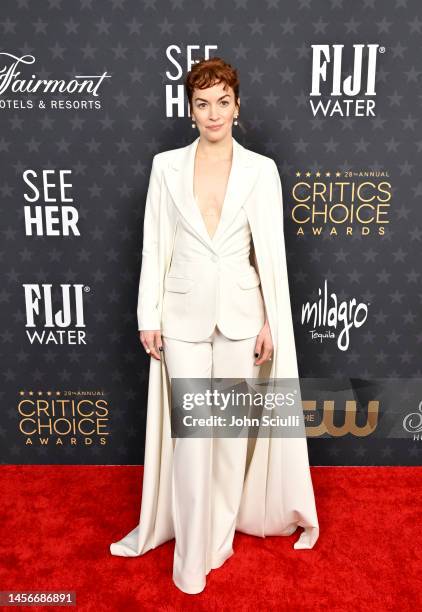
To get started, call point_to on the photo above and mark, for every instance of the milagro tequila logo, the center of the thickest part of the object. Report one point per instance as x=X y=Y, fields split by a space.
x=327 y=66
x=11 y=83
x=343 y=315
x=60 y=326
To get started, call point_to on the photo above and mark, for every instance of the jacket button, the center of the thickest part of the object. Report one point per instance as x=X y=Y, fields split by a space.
x=214 y=257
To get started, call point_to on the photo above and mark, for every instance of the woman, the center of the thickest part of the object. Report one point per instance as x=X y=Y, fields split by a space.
x=214 y=302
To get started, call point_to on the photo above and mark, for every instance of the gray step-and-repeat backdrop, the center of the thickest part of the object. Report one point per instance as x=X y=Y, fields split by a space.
x=90 y=91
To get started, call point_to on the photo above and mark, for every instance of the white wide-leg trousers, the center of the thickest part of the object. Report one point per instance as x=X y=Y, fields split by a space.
x=208 y=473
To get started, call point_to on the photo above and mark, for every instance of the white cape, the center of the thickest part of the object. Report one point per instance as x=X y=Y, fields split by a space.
x=277 y=494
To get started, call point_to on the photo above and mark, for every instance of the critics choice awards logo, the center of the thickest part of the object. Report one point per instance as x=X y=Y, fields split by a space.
x=63 y=418
x=341 y=203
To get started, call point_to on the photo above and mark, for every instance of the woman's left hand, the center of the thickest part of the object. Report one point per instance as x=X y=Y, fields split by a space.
x=264 y=345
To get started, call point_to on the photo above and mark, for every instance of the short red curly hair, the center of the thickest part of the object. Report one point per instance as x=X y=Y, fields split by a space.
x=207 y=73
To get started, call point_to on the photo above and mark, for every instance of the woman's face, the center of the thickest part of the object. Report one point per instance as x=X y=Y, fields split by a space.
x=214 y=107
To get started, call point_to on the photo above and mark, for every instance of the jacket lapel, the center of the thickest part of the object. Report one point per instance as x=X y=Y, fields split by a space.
x=179 y=179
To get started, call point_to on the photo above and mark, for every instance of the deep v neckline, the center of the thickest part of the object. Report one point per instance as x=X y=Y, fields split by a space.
x=224 y=199
x=203 y=220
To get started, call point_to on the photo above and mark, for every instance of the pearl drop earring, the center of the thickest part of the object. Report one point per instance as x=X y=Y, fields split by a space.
x=235 y=119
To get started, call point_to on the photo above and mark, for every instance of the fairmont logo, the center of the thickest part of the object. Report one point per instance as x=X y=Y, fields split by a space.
x=9 y=73
x=339 y=314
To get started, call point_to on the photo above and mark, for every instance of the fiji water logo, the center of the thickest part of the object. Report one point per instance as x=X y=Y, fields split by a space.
x=330 y=312
x=345 y=96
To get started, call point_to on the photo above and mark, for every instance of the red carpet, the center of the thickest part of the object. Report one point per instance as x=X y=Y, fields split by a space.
x=57 y=523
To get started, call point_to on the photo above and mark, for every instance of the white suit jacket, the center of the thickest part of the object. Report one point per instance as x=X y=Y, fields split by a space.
x=277 y=495
x=210 y=280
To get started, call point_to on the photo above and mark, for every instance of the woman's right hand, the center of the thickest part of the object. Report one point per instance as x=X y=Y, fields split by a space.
x=151 y=341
